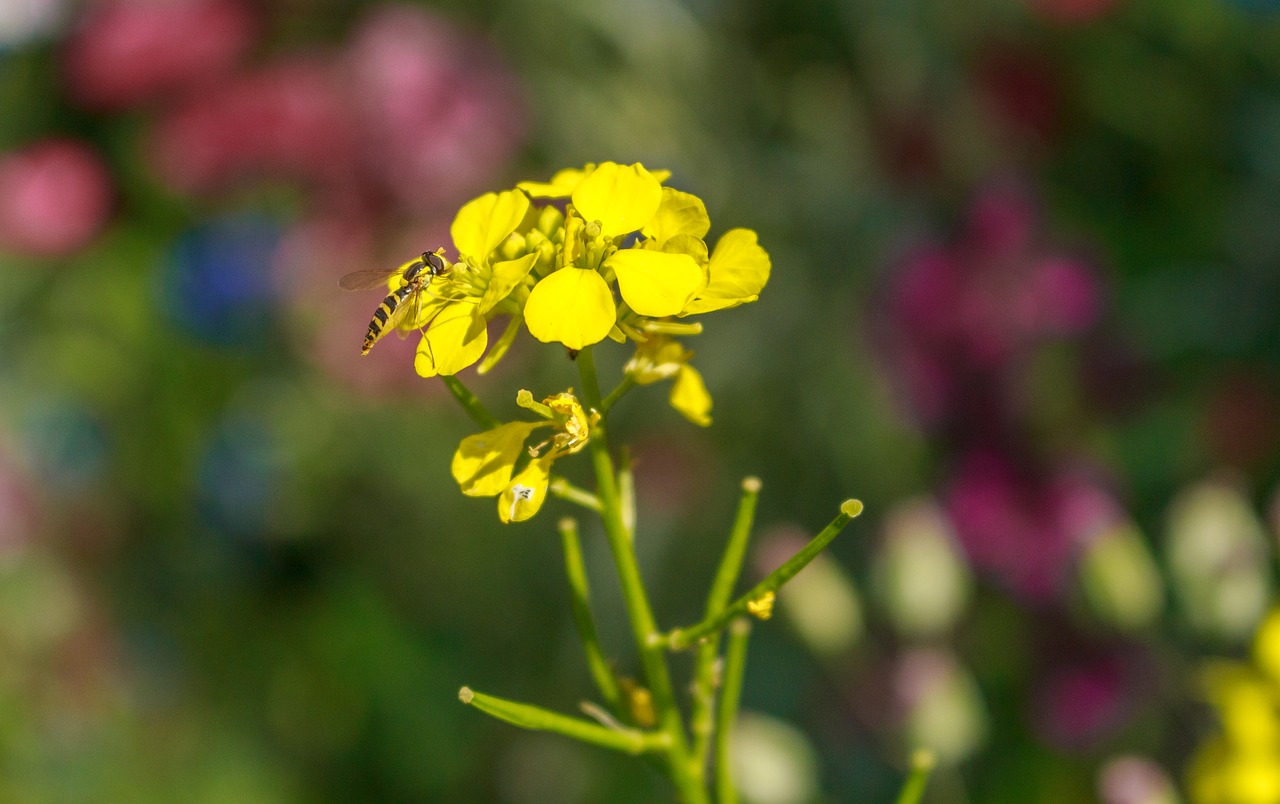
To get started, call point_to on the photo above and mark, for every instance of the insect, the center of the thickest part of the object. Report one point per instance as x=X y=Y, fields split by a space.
x=417 y=276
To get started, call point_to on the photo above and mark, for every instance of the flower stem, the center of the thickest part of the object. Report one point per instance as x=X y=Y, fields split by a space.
x=922 y=762
x=567 y=491
x=473 y=406
x=735 y=663
x=626 y=385
x=643 y=627
x=580 y=597
x=681 y=638
x=704 y=681
x=535 y=718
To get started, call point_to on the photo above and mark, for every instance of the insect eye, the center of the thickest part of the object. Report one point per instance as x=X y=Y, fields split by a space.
x=433 y=261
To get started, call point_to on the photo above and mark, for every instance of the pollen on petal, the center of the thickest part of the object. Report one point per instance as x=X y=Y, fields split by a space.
x=527 y=491
x=573 y=306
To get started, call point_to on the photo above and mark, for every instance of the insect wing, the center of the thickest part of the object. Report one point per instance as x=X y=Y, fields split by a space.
x=367 y=280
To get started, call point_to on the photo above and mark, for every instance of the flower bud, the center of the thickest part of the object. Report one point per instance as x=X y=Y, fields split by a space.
x=1217 y=551
x=1120 y=580
x=918 y=574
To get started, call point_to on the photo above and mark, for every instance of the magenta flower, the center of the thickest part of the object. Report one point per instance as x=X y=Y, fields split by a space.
x=290 y=120
x=414 y=114
x=55 y=196
x=961 y=318
x=128 y=52
x=437 y=109
x=1025 y=527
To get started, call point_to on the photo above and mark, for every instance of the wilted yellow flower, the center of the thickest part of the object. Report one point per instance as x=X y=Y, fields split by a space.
x=485 y=463
x=659 y=358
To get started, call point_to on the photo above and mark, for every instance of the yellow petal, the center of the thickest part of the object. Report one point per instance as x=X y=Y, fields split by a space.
x=506 y=275
x=739 y=270
x=560 y=186
x=654 y=283
x=623 y=198
x=485 y=222
x=658 y=358
x=484 y=462
x=689 y=396
x=527 y=491
x=695 y=247
x=678 y=213
x=456 y=338
x=572 y=306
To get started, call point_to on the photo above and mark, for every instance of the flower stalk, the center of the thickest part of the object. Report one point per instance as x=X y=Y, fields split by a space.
x=682 y=638
x=618 y=256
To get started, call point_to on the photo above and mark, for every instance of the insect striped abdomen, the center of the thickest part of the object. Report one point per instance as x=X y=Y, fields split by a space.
x=378 y=324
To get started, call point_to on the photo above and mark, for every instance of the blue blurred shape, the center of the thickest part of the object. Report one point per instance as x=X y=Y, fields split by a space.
x=67 y=444
x=238 y=479
x=216 y=284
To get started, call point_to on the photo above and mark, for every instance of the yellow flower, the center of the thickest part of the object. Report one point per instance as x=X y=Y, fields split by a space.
x=739 y=270
x=484 y=464
x=498 y=243
x=623 y=228
x=659 y=358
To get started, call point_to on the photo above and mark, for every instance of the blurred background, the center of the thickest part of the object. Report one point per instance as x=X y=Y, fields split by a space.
x=1025 y=304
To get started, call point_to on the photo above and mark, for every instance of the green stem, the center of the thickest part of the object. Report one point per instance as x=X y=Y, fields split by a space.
x=681 y=638
x=580 y=598
x=567 y=491
x=922 y=762
x=473 y=406
x=735 y=663
x=643 y=627
x=626 y=385
x=704 y=684
x=535 y=718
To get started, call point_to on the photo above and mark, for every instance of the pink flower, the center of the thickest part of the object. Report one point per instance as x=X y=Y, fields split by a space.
x=290 y=120
x=1025 y=527
x=1087 y=698
x=54 y=197
x=128 y=52
x=960 y=318
x=437 y=109
x=415 y=113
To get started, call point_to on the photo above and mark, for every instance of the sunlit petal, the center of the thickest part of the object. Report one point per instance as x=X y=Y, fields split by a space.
x=655 y=283
x=739 y=270
x=484 y=462
x=689 y=396
x=623 y=198
x=678 y=213
x=573 y=306
x=527 y=491
x=506 y=275
x=485 y=222
x=456 y=338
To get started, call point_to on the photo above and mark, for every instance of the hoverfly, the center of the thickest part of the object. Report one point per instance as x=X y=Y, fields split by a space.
x=417 y=276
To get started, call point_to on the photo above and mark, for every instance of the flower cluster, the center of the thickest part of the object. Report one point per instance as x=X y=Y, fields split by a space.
x=1242 y=764
x=602 y=252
